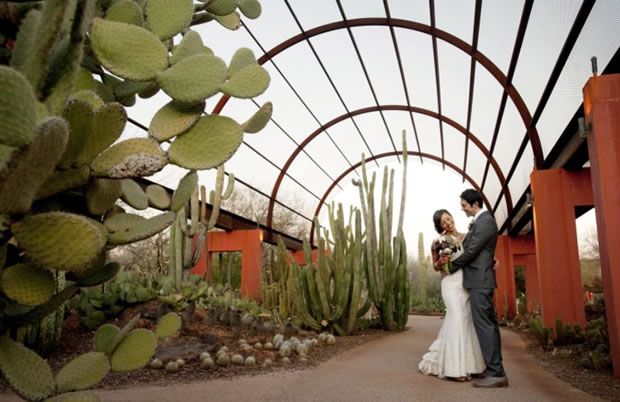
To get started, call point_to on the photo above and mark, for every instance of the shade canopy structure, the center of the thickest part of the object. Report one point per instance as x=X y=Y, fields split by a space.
x=490 y=90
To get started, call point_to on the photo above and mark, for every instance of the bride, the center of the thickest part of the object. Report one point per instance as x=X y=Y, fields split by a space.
x=455 y=354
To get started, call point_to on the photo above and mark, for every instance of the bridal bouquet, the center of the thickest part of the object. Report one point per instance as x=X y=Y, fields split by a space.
x=446 y=246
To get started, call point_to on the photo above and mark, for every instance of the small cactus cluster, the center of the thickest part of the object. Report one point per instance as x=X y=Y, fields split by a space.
x=73 y=67
x=116 y=349
x=370 y=262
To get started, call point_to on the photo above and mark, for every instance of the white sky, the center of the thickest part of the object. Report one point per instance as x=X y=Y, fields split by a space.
x=430 y=187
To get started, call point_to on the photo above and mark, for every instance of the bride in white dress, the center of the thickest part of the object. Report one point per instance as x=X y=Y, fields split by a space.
x=455 y=354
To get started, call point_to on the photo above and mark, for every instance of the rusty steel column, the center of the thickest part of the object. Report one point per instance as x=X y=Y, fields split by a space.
x=524 y=250
x=248 y=242
x=556 y=193
x=505 y=294
x=602 y=114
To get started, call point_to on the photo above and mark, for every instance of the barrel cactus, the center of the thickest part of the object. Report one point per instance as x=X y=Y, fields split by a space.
x=73 y=69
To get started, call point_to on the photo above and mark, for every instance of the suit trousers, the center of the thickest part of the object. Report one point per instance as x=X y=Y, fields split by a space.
x=487 y=330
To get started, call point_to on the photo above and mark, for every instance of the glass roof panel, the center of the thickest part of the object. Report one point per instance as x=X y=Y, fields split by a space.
x=501 y=213
x=487 y=97
x=314 y=13
x=334 y=47
x=550 y=22
x=307 y=174
x=476 y=162
x=428 y=132
x=323 y=151
x=262 y=27
x=349 y=141
x=377 y=50
x=456 y=17
x=509 y=138
x=360 y=9
x=599 y=38
x=305 y=74
x=374 y=131
x=454 y=66
x=416 y=50
x=492 y=186
x=454 y=145
x=521 y=178
x=499 y=23
x=397 y=122
x=411 y=10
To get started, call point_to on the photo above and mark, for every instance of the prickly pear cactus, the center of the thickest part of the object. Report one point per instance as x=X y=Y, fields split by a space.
x=63 y=170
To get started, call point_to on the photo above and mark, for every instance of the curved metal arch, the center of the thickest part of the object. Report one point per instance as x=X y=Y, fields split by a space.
x=532 y=132
x=307 y=140
x=385 y=155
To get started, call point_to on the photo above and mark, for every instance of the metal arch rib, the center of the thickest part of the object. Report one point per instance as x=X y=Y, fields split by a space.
x=316 y=133
x=388 y=154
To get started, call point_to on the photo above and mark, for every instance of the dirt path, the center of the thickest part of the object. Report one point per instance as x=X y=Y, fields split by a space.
x=381 y=370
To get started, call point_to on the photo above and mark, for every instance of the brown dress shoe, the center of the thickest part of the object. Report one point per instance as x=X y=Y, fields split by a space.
x=491 y=382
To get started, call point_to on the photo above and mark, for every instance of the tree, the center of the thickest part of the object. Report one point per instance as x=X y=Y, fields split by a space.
x=246 y=203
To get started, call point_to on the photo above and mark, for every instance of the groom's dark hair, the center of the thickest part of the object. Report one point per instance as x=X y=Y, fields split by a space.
x=472 y=196
x=437 y=219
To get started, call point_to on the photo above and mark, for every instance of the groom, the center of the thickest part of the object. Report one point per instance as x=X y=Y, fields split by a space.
x=477 y=262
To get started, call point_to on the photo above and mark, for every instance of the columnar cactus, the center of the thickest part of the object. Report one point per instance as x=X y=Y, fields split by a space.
x=187 y=241
x=386 y=256
x=422 y=269
x=328 y=293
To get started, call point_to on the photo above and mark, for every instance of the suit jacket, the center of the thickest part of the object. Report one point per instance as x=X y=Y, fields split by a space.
x=477 y=260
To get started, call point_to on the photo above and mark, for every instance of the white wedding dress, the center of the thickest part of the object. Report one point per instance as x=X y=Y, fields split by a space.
x=456 y=351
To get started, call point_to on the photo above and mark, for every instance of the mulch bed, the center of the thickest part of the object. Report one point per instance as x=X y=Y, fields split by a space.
x=76 y=340
x=601 y=384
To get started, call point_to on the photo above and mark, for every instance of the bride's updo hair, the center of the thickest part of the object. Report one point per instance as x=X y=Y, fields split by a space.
x=437 y=219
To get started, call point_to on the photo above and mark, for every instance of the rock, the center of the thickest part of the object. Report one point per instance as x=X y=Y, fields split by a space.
x=184 y=352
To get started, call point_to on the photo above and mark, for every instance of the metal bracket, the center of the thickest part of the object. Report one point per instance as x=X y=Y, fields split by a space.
x=584 y=128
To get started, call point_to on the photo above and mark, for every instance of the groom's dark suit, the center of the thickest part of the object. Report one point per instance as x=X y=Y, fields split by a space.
x=477 y=262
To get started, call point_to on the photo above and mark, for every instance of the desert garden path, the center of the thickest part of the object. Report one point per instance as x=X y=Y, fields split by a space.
x=380 y=370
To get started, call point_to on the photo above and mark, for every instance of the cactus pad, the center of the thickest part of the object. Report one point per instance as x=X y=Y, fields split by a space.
x=168 y=325
x=259 y=120
x=60 y=241
x=133 y=195
x=126 y=11
x=222 y=7
x=17 y=108
x=135 y=157
x=243 y=57
x=231 y=21
x=29 y=375
x=89 y=97
x=143 y=230
x=174 y=119
x=248 y=82
x=135 y=350
x=128 y=51
x=185 y=189
x=62 y=180
x=82 y=372
x=6 y=153
x=107 y=125
x=32 y=166
x=190 y=45
x=209 y=143
x=100 y=275
x=122 y=221
x=101 y=195
x=79 y=115
x=167 y=18
x=27 y=284
x=250 y=8
x=158 y=196
x=104 y=335
x=194 y=78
